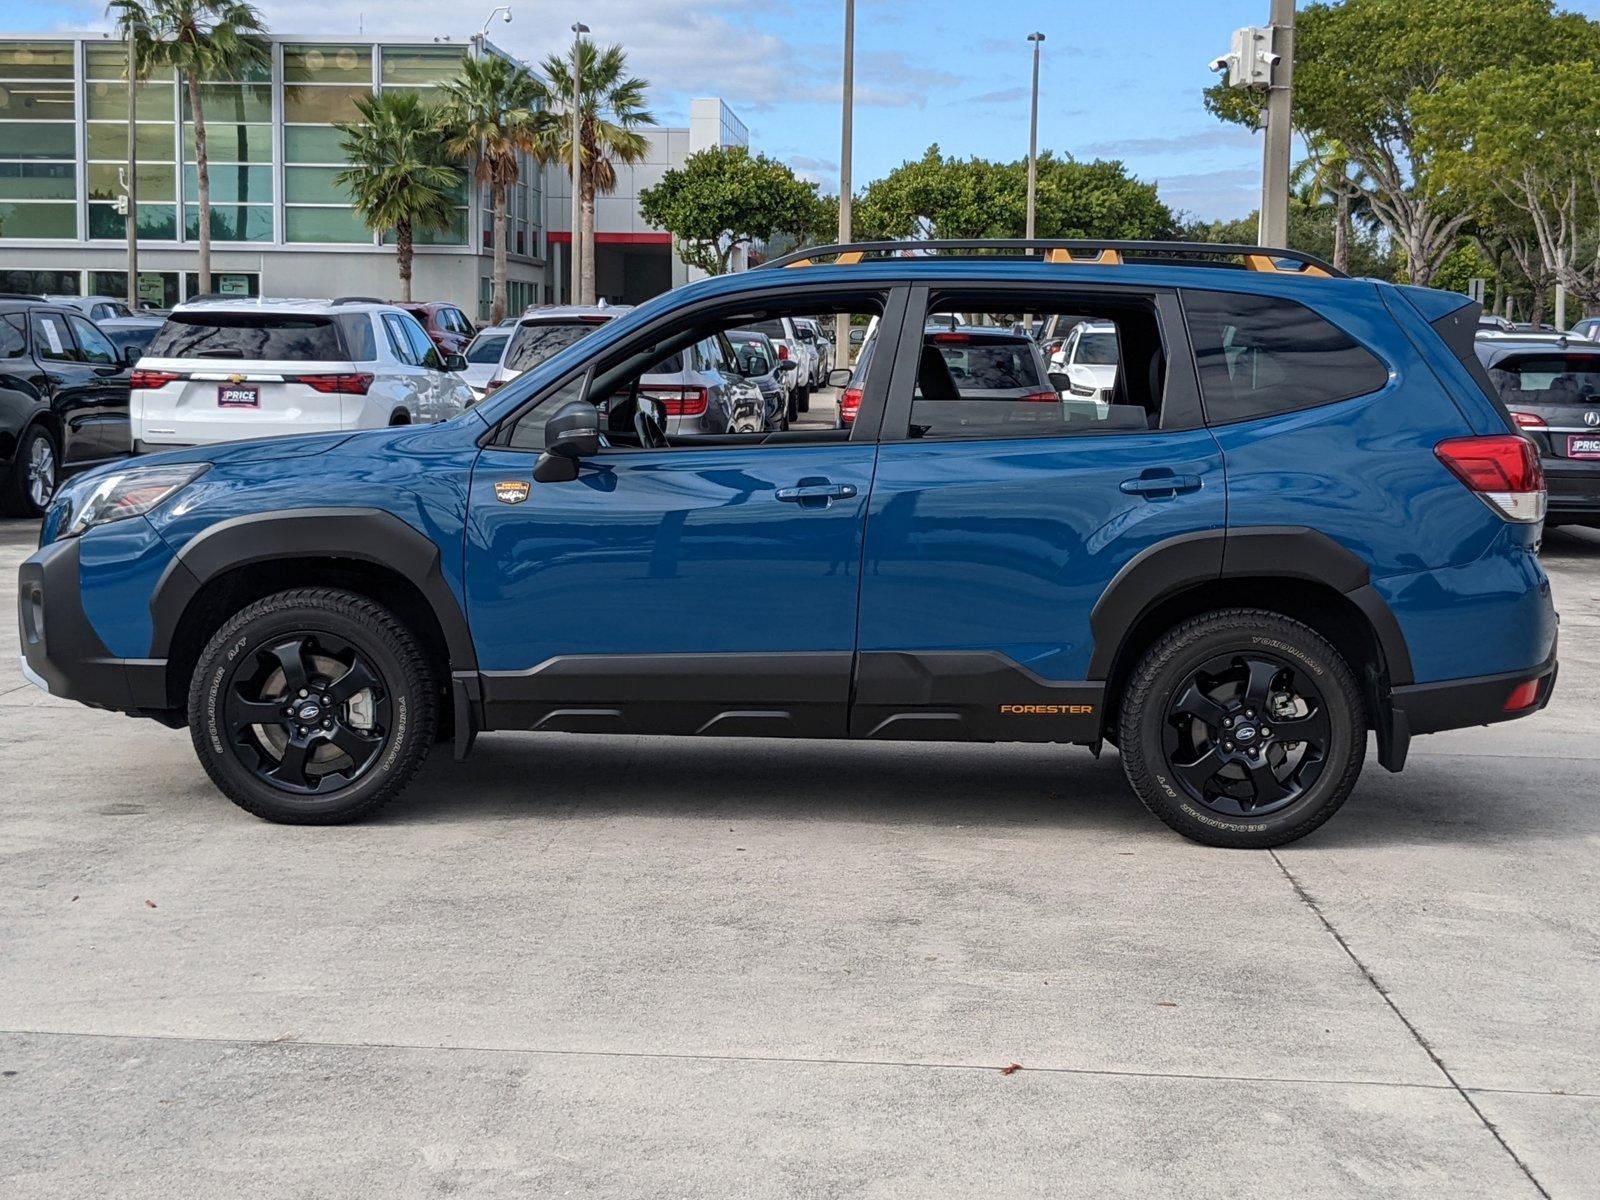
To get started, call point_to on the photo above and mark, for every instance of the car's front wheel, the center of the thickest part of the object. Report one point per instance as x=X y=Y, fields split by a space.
x=35 y=472
x=312 y=707
x=1242 y=728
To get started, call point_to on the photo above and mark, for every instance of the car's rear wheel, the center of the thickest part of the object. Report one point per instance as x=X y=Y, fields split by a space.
x=803 y=400
x=1242 y=728
x=35 y=474
x=312 y=707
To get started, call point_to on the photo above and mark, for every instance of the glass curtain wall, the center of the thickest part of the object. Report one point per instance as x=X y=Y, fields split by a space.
x=238 y=116
x=38 y=141
x=106 y=146
x=421 y=69
x=320 y=87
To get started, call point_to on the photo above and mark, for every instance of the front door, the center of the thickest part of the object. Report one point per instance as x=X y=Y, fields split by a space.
x=1004 y=507
x=692 y=589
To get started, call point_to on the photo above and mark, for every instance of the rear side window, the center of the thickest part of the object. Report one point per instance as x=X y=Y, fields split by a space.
x=13 y=336
x=51 y=336
x=249 y=336
x=358 y=337
x=533 y=343
x=93 y=345
x=773 y=329
x=1260 y=355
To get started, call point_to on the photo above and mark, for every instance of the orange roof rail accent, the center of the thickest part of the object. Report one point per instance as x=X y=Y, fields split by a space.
x=1104 y=258
x=1265 y=262
x=799 y=262
x=848 y=258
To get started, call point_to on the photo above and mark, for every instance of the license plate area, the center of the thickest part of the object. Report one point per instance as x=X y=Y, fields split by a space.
x=238 y=395
x=1583 y=445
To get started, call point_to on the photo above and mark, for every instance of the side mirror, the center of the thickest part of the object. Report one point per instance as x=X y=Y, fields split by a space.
x=839 y=377
x=857 y=336
x=455 y=362
x=757 y=363
x=131 y=356
x=1061 y=381
x=573 y=433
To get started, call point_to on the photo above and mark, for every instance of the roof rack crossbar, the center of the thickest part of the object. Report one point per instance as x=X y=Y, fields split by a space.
x=1070 y=250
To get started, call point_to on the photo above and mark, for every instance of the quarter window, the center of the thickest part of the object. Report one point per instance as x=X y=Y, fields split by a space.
x=1260 y=355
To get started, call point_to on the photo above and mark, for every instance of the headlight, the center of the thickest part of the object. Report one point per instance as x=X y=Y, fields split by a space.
x=132 y=493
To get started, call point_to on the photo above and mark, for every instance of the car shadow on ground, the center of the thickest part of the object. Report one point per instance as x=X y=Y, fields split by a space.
x=1571 y=542
x=931 y=786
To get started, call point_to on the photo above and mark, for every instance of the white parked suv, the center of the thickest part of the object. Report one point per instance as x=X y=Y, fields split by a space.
x=792 y=347
x=219 y=371
x=1088 y=358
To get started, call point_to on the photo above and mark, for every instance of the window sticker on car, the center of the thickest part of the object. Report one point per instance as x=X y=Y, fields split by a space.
x=53 y=336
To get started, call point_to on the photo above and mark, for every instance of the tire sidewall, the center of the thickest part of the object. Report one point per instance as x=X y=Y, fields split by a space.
x=241 y=638
x=1279 y=638
x=20 y=501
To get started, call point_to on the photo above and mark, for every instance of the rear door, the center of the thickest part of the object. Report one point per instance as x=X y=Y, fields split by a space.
x=408 y=368
x=102 y=424
x=73 y=385
x=990 y=540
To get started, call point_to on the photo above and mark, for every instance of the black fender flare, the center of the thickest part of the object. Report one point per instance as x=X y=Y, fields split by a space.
x=364 y=534
x=1285 y=551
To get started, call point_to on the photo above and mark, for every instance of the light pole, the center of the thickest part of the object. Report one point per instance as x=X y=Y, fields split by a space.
x=1274 y=230
x=1033 y=134
x=578 y=30
x=133 y=30
x=841 y=322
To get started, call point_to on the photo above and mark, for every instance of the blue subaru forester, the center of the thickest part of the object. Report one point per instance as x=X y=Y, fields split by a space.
x=1291 y=511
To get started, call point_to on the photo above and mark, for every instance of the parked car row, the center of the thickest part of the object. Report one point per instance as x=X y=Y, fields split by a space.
x=83 y=380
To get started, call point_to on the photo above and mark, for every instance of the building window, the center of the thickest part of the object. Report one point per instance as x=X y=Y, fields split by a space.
x=421 y=69
x=321 y=84
x=38 y=147
x=39 y=283
x=238 y=116
x=106 y=138
x=225 y=283
x=155 y=287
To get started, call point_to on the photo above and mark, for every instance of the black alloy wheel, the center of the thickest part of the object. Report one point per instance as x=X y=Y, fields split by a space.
x=307 y=714
x=1247 y=734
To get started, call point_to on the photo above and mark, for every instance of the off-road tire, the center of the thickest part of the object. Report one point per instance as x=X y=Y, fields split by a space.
x=381 y=638
x=1164 y=667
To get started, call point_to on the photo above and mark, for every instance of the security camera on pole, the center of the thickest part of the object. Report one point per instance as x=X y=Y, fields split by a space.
x=1263 y=59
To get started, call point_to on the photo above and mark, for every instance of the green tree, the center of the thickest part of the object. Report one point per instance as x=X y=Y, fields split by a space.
x=399 y=175
x=724 y=198
x=1361 y=69
x=1325 y=172
x=611 y=111
x=203 y=40
x=1522 y=143
x=1312 y=229
x=978 y=198
x=489 y=116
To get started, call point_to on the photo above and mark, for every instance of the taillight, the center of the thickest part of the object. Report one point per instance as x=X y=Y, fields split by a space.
x=1526 y=420
x=952 y=339
x=492 y=384
x=680 y=402
x=152 y=379
x=344 y=385
x=783 y=352
x=849 y=405
x=1502 y=469
x=1041 y=397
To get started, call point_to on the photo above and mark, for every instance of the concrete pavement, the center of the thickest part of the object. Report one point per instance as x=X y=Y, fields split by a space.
x=626 y=967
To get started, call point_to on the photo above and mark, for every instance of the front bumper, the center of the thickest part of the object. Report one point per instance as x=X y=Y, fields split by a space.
x=62 y=654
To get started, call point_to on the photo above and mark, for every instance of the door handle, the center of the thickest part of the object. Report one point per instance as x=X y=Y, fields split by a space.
x=1160 y=485
x=823 y=492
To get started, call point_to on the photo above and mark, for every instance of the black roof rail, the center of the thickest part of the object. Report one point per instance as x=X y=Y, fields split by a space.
x=21 y=296
x=1073 y=250
x=359 y=300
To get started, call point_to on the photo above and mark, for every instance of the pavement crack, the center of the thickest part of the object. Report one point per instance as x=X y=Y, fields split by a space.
x=1427 y=1048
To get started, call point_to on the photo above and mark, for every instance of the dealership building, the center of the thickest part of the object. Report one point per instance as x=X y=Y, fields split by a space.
x=280 y=225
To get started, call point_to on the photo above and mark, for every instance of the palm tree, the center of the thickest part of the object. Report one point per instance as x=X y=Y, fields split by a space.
x=398 y=173
x=202 y=40
x=611 y=108
x=491 y=111
x=1326 y=171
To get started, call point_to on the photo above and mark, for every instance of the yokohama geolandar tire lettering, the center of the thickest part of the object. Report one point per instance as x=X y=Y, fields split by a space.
x=1242 y=728
x=377 y=716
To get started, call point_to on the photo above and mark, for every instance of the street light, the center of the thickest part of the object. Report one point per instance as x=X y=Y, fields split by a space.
x=133 y=30
x=1033 y=133
x=578 y=30
x=841 y=322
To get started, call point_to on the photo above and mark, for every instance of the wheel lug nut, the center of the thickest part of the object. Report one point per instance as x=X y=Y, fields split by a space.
x=302 y=691
x=1228 y=721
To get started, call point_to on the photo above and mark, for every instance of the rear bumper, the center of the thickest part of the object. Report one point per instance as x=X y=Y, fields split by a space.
x=1460 y=703
x=62 y=654
x=1574 y=487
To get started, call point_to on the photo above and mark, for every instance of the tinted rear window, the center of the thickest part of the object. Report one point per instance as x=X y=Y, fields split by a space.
x=987 y=366
x=532 y=344
x=773 y=329
x=1260 y=355
x=1548 y=379
x=486 y=350
x=250 y=336
x=1098 y=349
x=138 y=336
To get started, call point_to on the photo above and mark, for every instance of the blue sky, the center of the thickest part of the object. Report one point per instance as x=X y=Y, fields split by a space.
x=1120 y=80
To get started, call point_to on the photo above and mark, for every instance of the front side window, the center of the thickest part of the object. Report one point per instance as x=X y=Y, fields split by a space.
x=93 y=345
x=1261 y=355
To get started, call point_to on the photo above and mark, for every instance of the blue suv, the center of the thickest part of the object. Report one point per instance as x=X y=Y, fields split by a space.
x=1296 y=513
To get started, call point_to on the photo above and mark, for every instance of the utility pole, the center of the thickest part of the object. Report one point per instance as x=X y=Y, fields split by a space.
x=133 y=29
x=1274 y=231
x=575 y=247
x=841 y=322
x=1033 y=134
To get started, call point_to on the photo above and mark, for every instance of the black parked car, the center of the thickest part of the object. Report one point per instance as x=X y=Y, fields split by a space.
x=63 y=400
x=1551 y=385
